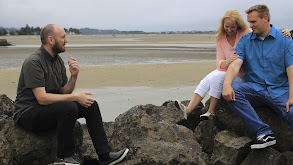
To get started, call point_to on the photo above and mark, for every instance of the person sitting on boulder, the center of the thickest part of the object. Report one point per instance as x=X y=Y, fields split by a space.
x=230 y=31
x=267 y=58
x=45 y=101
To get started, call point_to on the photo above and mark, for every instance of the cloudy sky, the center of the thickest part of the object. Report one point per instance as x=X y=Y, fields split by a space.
x=146 y=15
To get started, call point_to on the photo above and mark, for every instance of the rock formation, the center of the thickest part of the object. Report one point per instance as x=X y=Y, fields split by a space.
x=20 y=147
x=158 y=135
x=3 y=42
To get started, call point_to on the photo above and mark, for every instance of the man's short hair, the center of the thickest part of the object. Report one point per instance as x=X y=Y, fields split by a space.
x=46 y=31
x=261 y=9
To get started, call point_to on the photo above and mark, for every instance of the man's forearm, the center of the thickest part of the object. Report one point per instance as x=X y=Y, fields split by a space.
x=232 y=71
x=70 y=85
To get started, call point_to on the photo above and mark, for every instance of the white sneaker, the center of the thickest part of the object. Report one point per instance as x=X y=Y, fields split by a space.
x=205 y=116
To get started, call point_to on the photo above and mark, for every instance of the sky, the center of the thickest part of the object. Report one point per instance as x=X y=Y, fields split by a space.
x=145 y=15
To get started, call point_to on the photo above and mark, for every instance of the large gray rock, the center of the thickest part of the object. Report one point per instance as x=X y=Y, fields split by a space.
x=154 y=137
x=289 y=157
x=205 y=133
x=20 y=147
x=37 y=148
x=6 y=107
x=230 y=148
x=267 y=156
x=3 y=42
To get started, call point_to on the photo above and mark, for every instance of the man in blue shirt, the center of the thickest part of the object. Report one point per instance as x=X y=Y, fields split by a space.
x=267 y=57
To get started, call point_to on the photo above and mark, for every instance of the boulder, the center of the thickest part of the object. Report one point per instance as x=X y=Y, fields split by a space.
x=154 y=137
x=230 y=148
x=3 y=42
x=205 y=133
x=160 y=135
x=18 y=146
x=6 y=107
x=266 y=156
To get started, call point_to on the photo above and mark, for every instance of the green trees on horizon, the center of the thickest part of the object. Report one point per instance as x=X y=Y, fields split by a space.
x=27 y=30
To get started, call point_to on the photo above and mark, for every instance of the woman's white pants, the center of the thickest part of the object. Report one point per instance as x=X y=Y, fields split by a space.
x=213 y=82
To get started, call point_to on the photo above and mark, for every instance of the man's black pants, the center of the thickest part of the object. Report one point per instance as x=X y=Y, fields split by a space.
x=62 y=117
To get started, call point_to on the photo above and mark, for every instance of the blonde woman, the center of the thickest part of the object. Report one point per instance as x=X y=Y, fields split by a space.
x=230 y=31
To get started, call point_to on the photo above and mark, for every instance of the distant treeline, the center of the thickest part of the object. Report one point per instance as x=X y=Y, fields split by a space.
x=88 y=31
x=27 y=30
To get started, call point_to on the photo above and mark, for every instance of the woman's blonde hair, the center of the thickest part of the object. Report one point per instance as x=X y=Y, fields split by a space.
x=235 y=16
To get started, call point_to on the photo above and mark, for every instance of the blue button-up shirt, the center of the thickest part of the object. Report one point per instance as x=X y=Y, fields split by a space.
x=265 y=61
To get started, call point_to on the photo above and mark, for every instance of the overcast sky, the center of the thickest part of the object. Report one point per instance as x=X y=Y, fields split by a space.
x=146 y=15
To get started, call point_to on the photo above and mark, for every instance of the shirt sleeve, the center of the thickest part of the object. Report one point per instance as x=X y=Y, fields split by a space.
x=33 y=74
x=220 y=56
x=240 y=48
x=288 y=52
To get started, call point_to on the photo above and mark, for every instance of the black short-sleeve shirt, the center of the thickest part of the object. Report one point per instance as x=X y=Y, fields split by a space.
x=40 y=69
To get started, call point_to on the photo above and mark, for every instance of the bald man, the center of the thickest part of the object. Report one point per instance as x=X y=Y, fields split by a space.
x=45 y=101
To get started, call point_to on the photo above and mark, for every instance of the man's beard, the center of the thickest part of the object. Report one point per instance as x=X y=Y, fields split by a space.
x=57 y=49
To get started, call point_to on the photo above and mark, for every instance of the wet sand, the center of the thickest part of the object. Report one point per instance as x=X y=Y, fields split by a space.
x=148 y=75
x=120 y=87
x=121 y=39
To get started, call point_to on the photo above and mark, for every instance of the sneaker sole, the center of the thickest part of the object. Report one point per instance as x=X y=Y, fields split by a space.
x=261 y=146
x=204 y=118
x=121 y=158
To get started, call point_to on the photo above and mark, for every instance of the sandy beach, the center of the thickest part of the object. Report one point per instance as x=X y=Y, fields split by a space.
x=120 y=87
x=150 y=75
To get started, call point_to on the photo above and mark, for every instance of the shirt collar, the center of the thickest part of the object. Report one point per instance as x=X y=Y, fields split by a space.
x=272 y=33
x=47 y=55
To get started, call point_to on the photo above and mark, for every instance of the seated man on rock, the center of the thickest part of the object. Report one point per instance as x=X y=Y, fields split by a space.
x=45 y=101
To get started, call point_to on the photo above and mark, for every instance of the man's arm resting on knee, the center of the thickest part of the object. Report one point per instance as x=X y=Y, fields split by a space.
x=289 y=70
x=45 y=98
x=228 y=92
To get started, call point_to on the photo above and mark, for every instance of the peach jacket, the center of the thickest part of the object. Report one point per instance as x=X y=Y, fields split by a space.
x=225 y=50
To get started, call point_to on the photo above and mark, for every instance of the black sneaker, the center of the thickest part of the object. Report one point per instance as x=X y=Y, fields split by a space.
x=265 y=141
x=116 y=157
x=66 y=161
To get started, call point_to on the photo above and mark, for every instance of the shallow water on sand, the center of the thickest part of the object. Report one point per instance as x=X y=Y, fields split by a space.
x=116 y=54
x=114 y=101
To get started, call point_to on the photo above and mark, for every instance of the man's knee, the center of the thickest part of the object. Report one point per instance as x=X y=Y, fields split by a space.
x=95 y=106
x=236 y=86
x=69 y=108
x=239 y=88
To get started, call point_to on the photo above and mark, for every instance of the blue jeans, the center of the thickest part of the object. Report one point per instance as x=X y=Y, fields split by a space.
x=247 y=98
